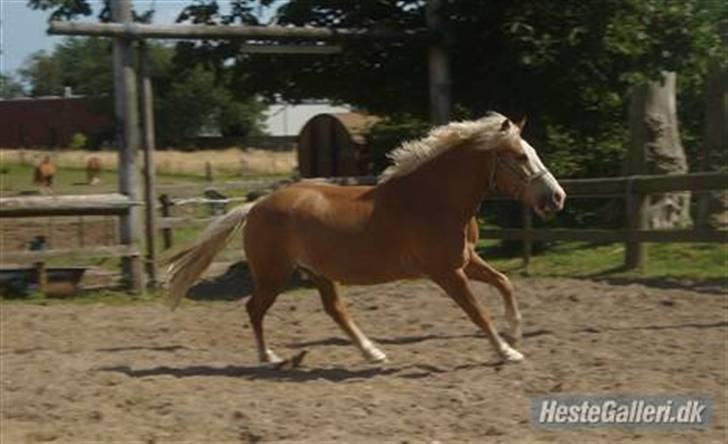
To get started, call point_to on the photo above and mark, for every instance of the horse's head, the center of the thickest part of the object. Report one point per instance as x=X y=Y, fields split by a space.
x=519 y=172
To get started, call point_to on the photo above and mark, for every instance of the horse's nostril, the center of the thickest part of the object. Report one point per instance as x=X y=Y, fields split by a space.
x=558 y=198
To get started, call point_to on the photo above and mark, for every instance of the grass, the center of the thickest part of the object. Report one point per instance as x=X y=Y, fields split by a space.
x=686 y=261
x=669 y=265
x=694 y=261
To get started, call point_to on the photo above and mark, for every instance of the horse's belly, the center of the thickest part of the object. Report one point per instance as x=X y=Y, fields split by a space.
x=349 y=264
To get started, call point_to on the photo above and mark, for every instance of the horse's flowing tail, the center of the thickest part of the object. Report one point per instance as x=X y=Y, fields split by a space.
x=187 y=266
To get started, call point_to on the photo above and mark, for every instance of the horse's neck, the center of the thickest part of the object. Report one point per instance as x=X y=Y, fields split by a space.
x=453 y=183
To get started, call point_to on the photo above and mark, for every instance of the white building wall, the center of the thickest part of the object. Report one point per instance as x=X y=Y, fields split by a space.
x=287 y=120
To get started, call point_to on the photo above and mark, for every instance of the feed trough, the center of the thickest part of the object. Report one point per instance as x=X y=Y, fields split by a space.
x=19 y=282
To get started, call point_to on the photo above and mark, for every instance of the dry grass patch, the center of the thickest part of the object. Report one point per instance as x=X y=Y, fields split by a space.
x=227 y=162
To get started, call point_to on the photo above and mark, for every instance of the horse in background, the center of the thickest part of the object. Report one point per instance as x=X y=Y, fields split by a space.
x=44 y=172
x=418 y=221
x=93 y=170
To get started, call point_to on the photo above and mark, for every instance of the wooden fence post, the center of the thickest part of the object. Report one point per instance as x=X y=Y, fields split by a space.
x=127 y=131
x=208 y=172
x=439 y=67
x=41 y=274
x=167 y=231
x=635 y=252
x=150 y=201
x=527 y=242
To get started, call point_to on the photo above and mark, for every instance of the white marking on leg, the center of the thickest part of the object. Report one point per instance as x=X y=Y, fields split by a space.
x=369 y=350
x=508 y=353
x=267 y=356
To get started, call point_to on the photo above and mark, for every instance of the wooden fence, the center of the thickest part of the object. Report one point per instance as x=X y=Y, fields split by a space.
x=86 y=205
x=634 y=190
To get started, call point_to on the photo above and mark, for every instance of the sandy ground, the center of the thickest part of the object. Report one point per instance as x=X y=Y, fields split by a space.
x=139 y=373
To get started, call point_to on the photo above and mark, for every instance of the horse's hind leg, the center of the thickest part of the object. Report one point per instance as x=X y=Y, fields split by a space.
x=480 y=270
x=335 y=308
x=259 y=303
x=269 y=282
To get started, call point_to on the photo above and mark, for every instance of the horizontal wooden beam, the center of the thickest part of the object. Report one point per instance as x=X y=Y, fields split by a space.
x=609 y=186
x=206 y=32
x=7 y=257
x=646 y=184
x=665 y=236
x=180 y=222
x=260 y=48
x=77 y=205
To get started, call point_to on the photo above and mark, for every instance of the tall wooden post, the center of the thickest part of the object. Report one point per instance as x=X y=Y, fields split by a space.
x=150 y=192
x=127 y=136
x=439 y=67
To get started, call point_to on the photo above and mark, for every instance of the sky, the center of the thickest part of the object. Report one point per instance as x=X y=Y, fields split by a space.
x=23 y=30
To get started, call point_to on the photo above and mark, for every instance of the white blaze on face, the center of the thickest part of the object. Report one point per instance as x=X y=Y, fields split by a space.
x=545 y=194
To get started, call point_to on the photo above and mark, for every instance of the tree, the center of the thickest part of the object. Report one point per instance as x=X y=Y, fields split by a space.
x=569 y=64
x=656 y=148
x=189 y=97
x=43 y=73
x=10 y=88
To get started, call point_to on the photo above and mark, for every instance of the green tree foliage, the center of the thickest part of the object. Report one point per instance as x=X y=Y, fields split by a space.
x=569 y=64
x=10 y=88
x=81 y=63
x=189 y=97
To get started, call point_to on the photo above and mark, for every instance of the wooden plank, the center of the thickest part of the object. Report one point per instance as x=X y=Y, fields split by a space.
x=126 y=110
x=146 y=99
x=166 y=206
x=439 y=67
x=555 y=234
x=646 y=184
x=168 y=223
x=91 y=204
x=260 y=48
x=603 y=187
x=203 y=32
x=68 y=253
x=682 y=182
x=667 y=236
x=635 y=252
x=598 y=235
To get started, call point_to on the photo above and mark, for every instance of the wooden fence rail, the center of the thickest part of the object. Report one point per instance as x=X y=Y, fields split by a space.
x=633 y=189
x=84 y=205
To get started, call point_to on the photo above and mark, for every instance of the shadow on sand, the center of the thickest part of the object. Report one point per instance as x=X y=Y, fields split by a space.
x=255 y=372
x=235 y=283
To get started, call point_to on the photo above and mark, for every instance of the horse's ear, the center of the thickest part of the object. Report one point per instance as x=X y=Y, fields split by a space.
x=506 y=125
x=521 y=123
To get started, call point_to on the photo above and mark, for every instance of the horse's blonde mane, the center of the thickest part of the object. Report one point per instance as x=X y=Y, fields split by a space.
x=484 y=134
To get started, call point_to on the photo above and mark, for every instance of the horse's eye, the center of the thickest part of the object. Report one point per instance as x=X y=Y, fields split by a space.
x=522 y=158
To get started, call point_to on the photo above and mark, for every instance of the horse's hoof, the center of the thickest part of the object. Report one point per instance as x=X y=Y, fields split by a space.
x=269 y=357
x=376 y=357
x=511 y=355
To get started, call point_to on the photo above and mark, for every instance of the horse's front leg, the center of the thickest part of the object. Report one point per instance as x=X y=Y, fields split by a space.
x=455 y=283
x=481 y=271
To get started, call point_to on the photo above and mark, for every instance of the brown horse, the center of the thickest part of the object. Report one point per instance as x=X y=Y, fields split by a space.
x=93 y=170
x=418 y=221
x=44 y=172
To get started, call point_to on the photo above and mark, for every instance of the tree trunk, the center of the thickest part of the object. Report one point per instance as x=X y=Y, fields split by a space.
x=655 y=148
x=713 y=207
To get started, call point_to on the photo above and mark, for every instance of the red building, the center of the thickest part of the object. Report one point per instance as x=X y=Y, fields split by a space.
x=52 y=121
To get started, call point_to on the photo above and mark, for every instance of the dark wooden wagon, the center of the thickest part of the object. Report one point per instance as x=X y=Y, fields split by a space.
x=331 y=145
